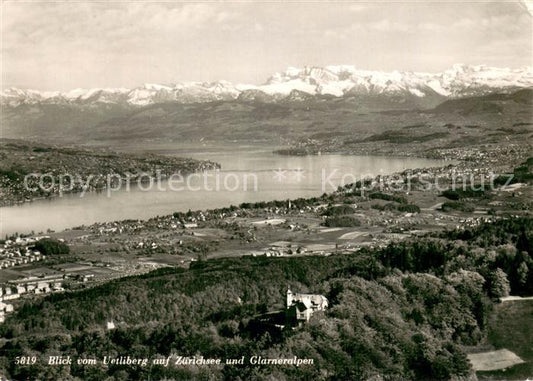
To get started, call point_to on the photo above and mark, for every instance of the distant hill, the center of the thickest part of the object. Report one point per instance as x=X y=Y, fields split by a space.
x=325 y=121
x=493 y=103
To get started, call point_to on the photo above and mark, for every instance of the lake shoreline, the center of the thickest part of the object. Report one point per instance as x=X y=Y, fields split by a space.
x=162 y=204
x=32 y=171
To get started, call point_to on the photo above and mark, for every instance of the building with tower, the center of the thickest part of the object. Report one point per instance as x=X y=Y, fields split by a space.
x=300 y=307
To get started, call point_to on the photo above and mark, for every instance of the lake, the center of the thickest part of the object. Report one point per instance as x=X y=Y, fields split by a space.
x=248 y=174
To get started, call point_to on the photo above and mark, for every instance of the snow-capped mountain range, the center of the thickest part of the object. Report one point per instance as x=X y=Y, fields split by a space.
x=295 y=83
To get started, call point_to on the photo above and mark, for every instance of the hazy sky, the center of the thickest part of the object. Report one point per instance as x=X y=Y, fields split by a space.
x=64 y=45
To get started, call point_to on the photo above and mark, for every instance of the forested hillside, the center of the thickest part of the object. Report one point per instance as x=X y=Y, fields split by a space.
x=402 y=312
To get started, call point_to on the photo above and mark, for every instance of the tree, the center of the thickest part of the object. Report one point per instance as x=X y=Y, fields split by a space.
x=522 y=273
x=50 y=246
x=498 y=284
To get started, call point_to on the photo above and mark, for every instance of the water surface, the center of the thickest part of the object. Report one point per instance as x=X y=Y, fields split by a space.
x=248 y=175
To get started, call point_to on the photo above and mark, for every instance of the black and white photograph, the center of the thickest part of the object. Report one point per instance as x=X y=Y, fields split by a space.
x=258 y=190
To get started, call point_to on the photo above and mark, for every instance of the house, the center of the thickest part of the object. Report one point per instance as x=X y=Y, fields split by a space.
x=300 y=307
x=10 y=294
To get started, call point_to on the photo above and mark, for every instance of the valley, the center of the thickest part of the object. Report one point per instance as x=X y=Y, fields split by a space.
x=266 y=191
x=416 y=251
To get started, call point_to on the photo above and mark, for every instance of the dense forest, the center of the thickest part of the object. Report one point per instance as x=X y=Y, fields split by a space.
x=401 y=312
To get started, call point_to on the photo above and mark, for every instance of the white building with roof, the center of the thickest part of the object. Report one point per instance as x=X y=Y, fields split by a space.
x=300 y=307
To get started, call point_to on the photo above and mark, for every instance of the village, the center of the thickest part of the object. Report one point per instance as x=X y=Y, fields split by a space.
x=26 y=273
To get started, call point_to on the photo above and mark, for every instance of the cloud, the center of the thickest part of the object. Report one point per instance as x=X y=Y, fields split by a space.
x=95 y=23
x=88 y=41
x=528 y=6
x=391 y=26
x=358 y=7
x=124 y=43
x=502 y=25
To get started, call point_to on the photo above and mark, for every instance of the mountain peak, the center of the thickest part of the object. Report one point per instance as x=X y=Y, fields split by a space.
x=337 y=80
